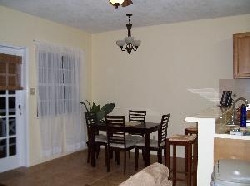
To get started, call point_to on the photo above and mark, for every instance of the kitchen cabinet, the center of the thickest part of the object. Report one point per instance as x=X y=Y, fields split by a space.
x=241 y=55
x=226 y=148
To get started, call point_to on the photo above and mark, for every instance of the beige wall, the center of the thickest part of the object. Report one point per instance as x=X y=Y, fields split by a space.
x=20 y=29
x=172 y=58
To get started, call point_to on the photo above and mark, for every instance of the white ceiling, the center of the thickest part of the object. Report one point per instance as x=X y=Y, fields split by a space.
x=95 y=16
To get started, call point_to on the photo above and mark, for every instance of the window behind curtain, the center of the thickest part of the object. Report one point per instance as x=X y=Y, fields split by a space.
x=57 y=86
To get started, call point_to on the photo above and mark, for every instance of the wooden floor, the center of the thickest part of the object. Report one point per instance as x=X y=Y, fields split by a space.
x=73 y=170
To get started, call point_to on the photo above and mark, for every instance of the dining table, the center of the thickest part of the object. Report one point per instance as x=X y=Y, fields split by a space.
x=145 y=128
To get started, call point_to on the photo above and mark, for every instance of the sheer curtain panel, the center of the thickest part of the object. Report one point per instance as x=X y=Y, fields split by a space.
x=58 y=99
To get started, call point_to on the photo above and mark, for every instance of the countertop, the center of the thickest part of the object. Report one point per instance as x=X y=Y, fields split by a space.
x=215 y=112
x=232 y=136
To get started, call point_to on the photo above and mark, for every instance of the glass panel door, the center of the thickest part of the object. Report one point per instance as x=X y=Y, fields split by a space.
x=13 y=123
x=8 y=135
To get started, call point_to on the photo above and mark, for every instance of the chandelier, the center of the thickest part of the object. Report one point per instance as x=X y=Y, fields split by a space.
x=129 y=43
x=123 y=3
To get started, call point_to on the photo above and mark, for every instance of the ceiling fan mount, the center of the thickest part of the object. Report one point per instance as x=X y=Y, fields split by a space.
x=125 y=3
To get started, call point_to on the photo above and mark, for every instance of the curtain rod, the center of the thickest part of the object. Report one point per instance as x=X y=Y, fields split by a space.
x=51 y=44
x=57 y=45
x=43 y=42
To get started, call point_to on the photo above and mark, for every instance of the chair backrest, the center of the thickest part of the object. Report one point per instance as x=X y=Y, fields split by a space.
x=162 y=133
x=116 y=131
x=91 y=120
x=138 y=116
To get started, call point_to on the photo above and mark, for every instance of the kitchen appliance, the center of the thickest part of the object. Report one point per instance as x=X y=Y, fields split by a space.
x=226 y=99
x=231 y=172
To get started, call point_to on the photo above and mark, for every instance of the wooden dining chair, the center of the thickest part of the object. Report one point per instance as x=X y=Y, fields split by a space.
x=137 y=116
x=116 y=135
x=155 y=145
x=99 y=139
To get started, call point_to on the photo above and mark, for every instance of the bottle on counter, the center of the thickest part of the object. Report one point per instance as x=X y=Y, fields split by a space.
x=243 y=115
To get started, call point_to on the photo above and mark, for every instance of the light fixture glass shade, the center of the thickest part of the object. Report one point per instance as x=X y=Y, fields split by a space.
x=116 y=1
x=137 y=43
x=129 y=44
x=129 y=40
x=120 y=43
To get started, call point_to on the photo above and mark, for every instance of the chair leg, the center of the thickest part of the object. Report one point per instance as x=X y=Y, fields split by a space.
x=195 y=161
x=159 y=155
x=88 y=159
x=97 y=151
x=106 y=155
x=124 y=167
x=189 y=164
x=108 y=158
x=174 y=165
x=165 y=153
x=143 y=154
x=117 y=157
x=136 y=158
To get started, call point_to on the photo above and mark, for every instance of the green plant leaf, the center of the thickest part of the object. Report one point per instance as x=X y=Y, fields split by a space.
x=101 y=112
x=100 y=115
x=95 y=108
x=107 y=108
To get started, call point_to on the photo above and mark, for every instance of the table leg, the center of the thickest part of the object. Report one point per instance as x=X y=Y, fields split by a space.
x=147 y=149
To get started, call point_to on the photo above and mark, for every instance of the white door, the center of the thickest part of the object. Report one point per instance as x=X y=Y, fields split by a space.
x=12 y=123
x=8 y=134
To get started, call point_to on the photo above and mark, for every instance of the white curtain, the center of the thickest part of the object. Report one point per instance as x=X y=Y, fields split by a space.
x=58 y=99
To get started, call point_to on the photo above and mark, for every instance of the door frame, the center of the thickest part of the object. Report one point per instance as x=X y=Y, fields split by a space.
x=23 y=127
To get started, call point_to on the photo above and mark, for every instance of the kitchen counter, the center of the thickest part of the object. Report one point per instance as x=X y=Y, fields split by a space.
x=214 y=112
x=210 y=125
x=229 y=136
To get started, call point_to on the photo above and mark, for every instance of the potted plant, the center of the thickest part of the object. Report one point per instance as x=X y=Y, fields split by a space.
x=101 y=112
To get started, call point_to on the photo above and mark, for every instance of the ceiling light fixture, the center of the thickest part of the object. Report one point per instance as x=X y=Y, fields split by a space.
x=131 y=43
x=123 y=3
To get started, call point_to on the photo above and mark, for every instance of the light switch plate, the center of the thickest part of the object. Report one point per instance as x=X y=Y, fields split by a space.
x=32 y=91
